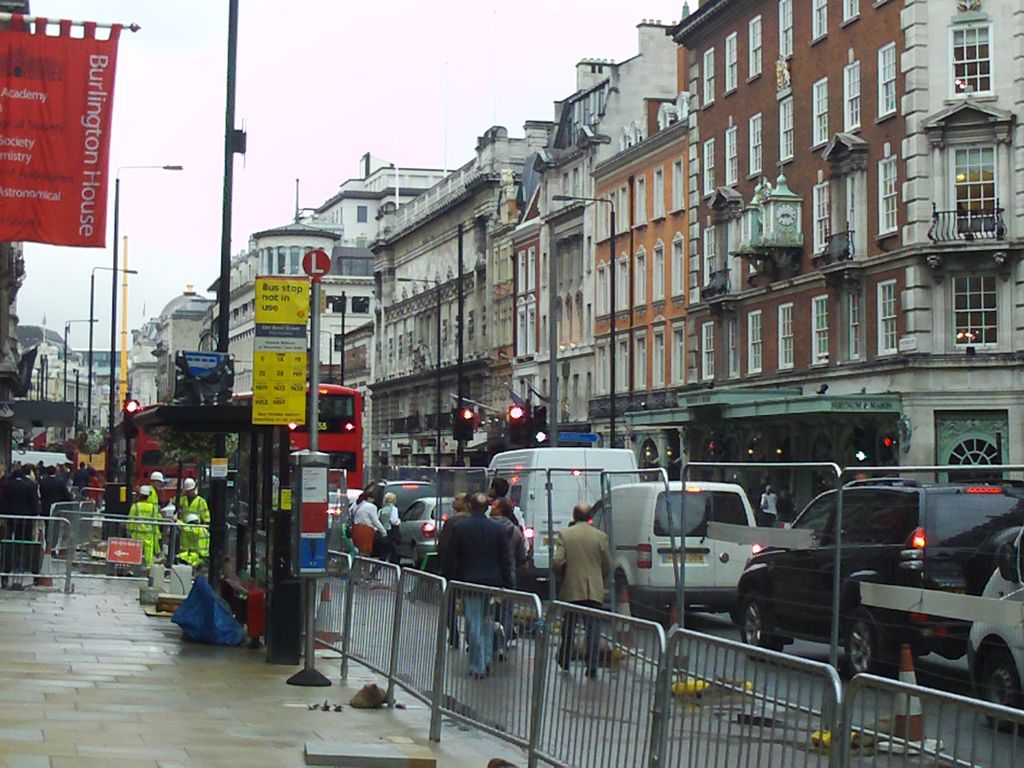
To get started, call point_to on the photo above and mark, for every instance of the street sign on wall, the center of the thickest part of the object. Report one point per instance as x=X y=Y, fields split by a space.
x=279 y=351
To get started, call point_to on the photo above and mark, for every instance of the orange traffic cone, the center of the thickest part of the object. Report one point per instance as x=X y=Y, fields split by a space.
x=325 y=593
x=45 y=565
x=908 y=722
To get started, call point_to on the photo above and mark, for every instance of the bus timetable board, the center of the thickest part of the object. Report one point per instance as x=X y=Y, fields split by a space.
x=279 y=350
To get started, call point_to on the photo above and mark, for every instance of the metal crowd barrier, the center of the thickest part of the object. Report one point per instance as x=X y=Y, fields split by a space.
x=486 y=656
x=421 y=610
x=888 y=723
x=727 y=703
x=370 y=606
x=332 y=591
x=608 y=718
x=27 y=557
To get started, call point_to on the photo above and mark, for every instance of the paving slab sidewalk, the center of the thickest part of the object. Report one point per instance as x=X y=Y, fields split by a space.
x=88 y=679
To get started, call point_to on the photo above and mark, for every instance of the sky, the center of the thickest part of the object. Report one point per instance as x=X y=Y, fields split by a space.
x=318 y=84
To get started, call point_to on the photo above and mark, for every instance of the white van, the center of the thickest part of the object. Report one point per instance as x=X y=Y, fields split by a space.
x=995 y=652
x=639 y=528
x=579 y=480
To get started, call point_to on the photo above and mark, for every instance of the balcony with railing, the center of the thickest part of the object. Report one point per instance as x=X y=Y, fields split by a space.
x=965 y=225
x=717 y=285
x=838 y=247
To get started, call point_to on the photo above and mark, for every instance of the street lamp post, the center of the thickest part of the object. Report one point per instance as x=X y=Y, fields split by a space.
x=611 y=317
x=113 y=296
x=92 y=321
x=437 y=383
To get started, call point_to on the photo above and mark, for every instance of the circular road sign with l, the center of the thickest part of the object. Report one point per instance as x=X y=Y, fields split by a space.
x=316 y=263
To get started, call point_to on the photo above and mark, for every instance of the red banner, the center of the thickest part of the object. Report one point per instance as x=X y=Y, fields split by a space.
x=56 y=98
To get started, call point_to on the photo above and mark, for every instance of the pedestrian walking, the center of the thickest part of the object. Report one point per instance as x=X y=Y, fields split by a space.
x=502 y=514
x=583 y=561
x=769 y=507
x=365 y=524
x=479 y=553
x=499 y=490
x=460 y=510
x=21 y=497
x=389 y=519
x=52 y=489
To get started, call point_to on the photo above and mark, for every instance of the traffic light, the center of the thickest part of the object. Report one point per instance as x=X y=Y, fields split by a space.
x=539 y=424
x=712 y=446
x=463 y=423
x=887 y=444
x=130 y=408
x=519 y=425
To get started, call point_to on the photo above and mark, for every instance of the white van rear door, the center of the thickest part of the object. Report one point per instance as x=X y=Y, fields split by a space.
x=689 y=511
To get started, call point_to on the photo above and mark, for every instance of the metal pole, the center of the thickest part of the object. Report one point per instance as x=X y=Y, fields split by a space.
x=611 y=334
x=77 y=397
x=437 y=390
x=313 y=428
x=111 y=469
x=67 y=327
x=218 y=486
x=92 y=315
x=341 y=363
x=460 y=445
x=837 y=560
x=553 y=403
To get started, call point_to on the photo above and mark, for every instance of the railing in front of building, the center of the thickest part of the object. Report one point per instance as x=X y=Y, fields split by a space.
x=967 y=225
x=717 y=284
x=838 y=247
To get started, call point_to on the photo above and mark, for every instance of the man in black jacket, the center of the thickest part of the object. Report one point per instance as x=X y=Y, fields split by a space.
x=479 y=552
x=52 y=489
x=21 y=497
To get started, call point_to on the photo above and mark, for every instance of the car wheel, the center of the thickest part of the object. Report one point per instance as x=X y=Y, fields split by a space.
x=863 y=645
x=755 y=623
x=1000 y=682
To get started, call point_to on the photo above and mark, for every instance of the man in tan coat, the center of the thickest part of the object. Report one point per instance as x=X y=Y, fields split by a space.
x=583 y=561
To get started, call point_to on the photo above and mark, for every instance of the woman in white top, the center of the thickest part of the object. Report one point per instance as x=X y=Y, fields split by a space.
x=365 y=523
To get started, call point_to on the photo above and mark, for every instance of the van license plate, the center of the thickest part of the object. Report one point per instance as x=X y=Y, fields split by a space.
x=692 y=558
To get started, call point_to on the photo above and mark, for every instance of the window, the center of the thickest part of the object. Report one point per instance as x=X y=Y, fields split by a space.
x=754 y=140
x=336 y=304
x=707 y=348
x=709 y=75
x=622 y=371
x=659 y=193
x=754 y=342
x=851 y=96
x=658 y=288
x=709 y=166
x=732 y=333
x=622 y=284
x=640 y=273
x=732 y=160
x=819 y=328
x=640 y=201
x=531 y=269
x=785 y=336
x=819 y=19
x=851 y=9
x=972 y=61
x=974 y=309
x=640 y=368
x=658 y=363
x=821 y=215
x=974 y=179
x=786 y=128
x=361 y=214
x=853 y=321
x=731 y=67
x=602 y=368
x=754 y=47
x=887 y=195
x=819 y=105
x=887 y=79
x=677 y=185
x=785 y=28
x=679 y=354
x=678 y=267
x=360 y=305
x=710 y=254
x=887 y=317
x=602 y=290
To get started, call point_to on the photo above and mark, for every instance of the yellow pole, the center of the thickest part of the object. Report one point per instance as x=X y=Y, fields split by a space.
x=123 y=389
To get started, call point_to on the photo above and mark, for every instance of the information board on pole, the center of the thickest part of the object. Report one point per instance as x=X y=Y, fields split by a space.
x=279 y=351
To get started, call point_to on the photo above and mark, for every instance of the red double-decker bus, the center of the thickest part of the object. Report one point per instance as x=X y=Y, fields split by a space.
x=341 y=430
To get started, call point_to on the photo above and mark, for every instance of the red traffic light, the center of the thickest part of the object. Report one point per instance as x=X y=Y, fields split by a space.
x=888 y=442
x=516 y=412
x=467 y=414
x=132 y=406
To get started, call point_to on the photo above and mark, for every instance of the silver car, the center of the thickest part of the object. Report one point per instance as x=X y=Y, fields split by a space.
x=420 y=527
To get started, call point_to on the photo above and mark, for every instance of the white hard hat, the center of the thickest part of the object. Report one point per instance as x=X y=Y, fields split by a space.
x=145 y=490
x=188 y=484
x=157 y=476
x=192 y=518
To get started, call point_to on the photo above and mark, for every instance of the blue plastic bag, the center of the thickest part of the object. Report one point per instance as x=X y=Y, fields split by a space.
x=206 y=618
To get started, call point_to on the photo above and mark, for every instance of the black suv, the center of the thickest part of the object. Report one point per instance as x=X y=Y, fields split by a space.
x=941 y=537
x=406 y=492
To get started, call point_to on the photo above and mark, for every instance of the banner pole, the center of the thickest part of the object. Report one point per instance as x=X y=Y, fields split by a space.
x=7 y=17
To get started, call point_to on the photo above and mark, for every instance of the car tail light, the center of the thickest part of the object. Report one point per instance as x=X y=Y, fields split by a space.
x=529 y=533
x=756 y=549
x=350 y=426
x=428 y=528
x=983 y=489
x=920 y=617
x=643 y=556
x=918 y=539
x=912 y=556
